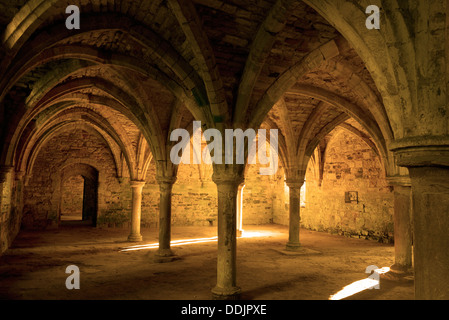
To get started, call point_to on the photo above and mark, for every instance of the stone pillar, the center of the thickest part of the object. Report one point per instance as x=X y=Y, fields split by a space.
x=403 y=238
x=293 y=243
x=427 y=159
x=240 y=210
x=431 y=231
x=164 y=253
x=227 y=186
x=4 y=170
x=137 y=187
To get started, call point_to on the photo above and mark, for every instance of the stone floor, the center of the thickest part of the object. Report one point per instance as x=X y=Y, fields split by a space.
x=34 y=268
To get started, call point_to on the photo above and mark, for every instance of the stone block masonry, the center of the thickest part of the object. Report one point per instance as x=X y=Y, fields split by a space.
x=350 y=165
x=194 y=200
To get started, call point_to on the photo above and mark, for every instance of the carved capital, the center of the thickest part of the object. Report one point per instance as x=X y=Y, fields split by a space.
x=4 y=170
x=228 y=174
x=19 y=175
x=137 y=184
x=401 y=181
x=421 y=151
x=294 y=183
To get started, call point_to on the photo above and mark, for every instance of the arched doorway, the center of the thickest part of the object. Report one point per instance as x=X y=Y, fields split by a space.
x=79 y=195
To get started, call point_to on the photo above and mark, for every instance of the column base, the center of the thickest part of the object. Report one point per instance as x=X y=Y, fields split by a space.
x=293 y=246
x=226 y=293
x=165 y=256
x=135 y=238
x=399 y=273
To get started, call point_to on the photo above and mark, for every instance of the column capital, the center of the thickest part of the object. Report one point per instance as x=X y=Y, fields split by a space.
x=19 y=175
x=225 y=178
x=137 y=183
x=4 y=170
x=428 y=151
x=399 y=181
x=294 y=183
x=229 y=174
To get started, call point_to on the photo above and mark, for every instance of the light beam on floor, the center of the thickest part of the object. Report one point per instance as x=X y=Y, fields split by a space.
x=359 y=286
x=175 y=243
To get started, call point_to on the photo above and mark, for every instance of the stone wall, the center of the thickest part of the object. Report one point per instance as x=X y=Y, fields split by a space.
x=262 y=197
x=72 y=197
x=5 y=212
x=43 y=190
x=194 y=198
x=194 y=201
x=11 y=202
x=350 y=165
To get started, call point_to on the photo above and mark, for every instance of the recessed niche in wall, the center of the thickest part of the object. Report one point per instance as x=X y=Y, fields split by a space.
x=351 y=196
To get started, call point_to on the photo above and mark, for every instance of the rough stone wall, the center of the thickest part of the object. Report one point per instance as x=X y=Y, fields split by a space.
x=72 y=196
x=350 y=165
x=194 y=197
x=194 y=201
x=11 y=202
x=262 y=197
x=5 y=209
x=42 y=194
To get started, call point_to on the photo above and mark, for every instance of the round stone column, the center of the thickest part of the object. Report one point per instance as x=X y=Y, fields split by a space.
x=293 y=243
x=4 y=170
x=136 y=210
x=403 y=238
x=427 y=159
x=164 y=253
x=431 y=232
x=240 y=210
x=227 y=186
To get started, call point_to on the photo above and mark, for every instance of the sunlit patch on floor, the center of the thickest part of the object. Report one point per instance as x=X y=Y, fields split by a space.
x=359 y=286
x=193 y=241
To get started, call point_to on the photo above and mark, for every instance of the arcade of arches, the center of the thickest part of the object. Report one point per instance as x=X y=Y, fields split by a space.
x=362 y=118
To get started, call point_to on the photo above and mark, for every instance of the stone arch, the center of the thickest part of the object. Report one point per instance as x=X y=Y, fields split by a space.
x=188 y=87
x=275 y=92
x=353 y=111
x=52 y=132
x=121 y=101
x=391 y=78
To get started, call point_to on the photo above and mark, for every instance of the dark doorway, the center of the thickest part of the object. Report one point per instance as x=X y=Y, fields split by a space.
x=79 y=195
x=72 y=202
x=90 y=197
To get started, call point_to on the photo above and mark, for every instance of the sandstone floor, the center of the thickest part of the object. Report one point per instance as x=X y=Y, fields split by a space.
x=34 y=267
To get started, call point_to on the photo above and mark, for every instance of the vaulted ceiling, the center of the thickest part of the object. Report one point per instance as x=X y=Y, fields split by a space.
x=160 y=64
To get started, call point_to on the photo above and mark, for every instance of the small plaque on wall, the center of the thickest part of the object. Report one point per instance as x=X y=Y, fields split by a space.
x=352 y=196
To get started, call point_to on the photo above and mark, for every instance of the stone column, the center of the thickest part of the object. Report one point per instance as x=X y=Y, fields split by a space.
x=4 y=170
x=402 y=231
x=428 y=162
x=164 y=253
x=293 y=243
x=431 y=231
x=240 y=210
x=137 y=187
x=227 y=186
